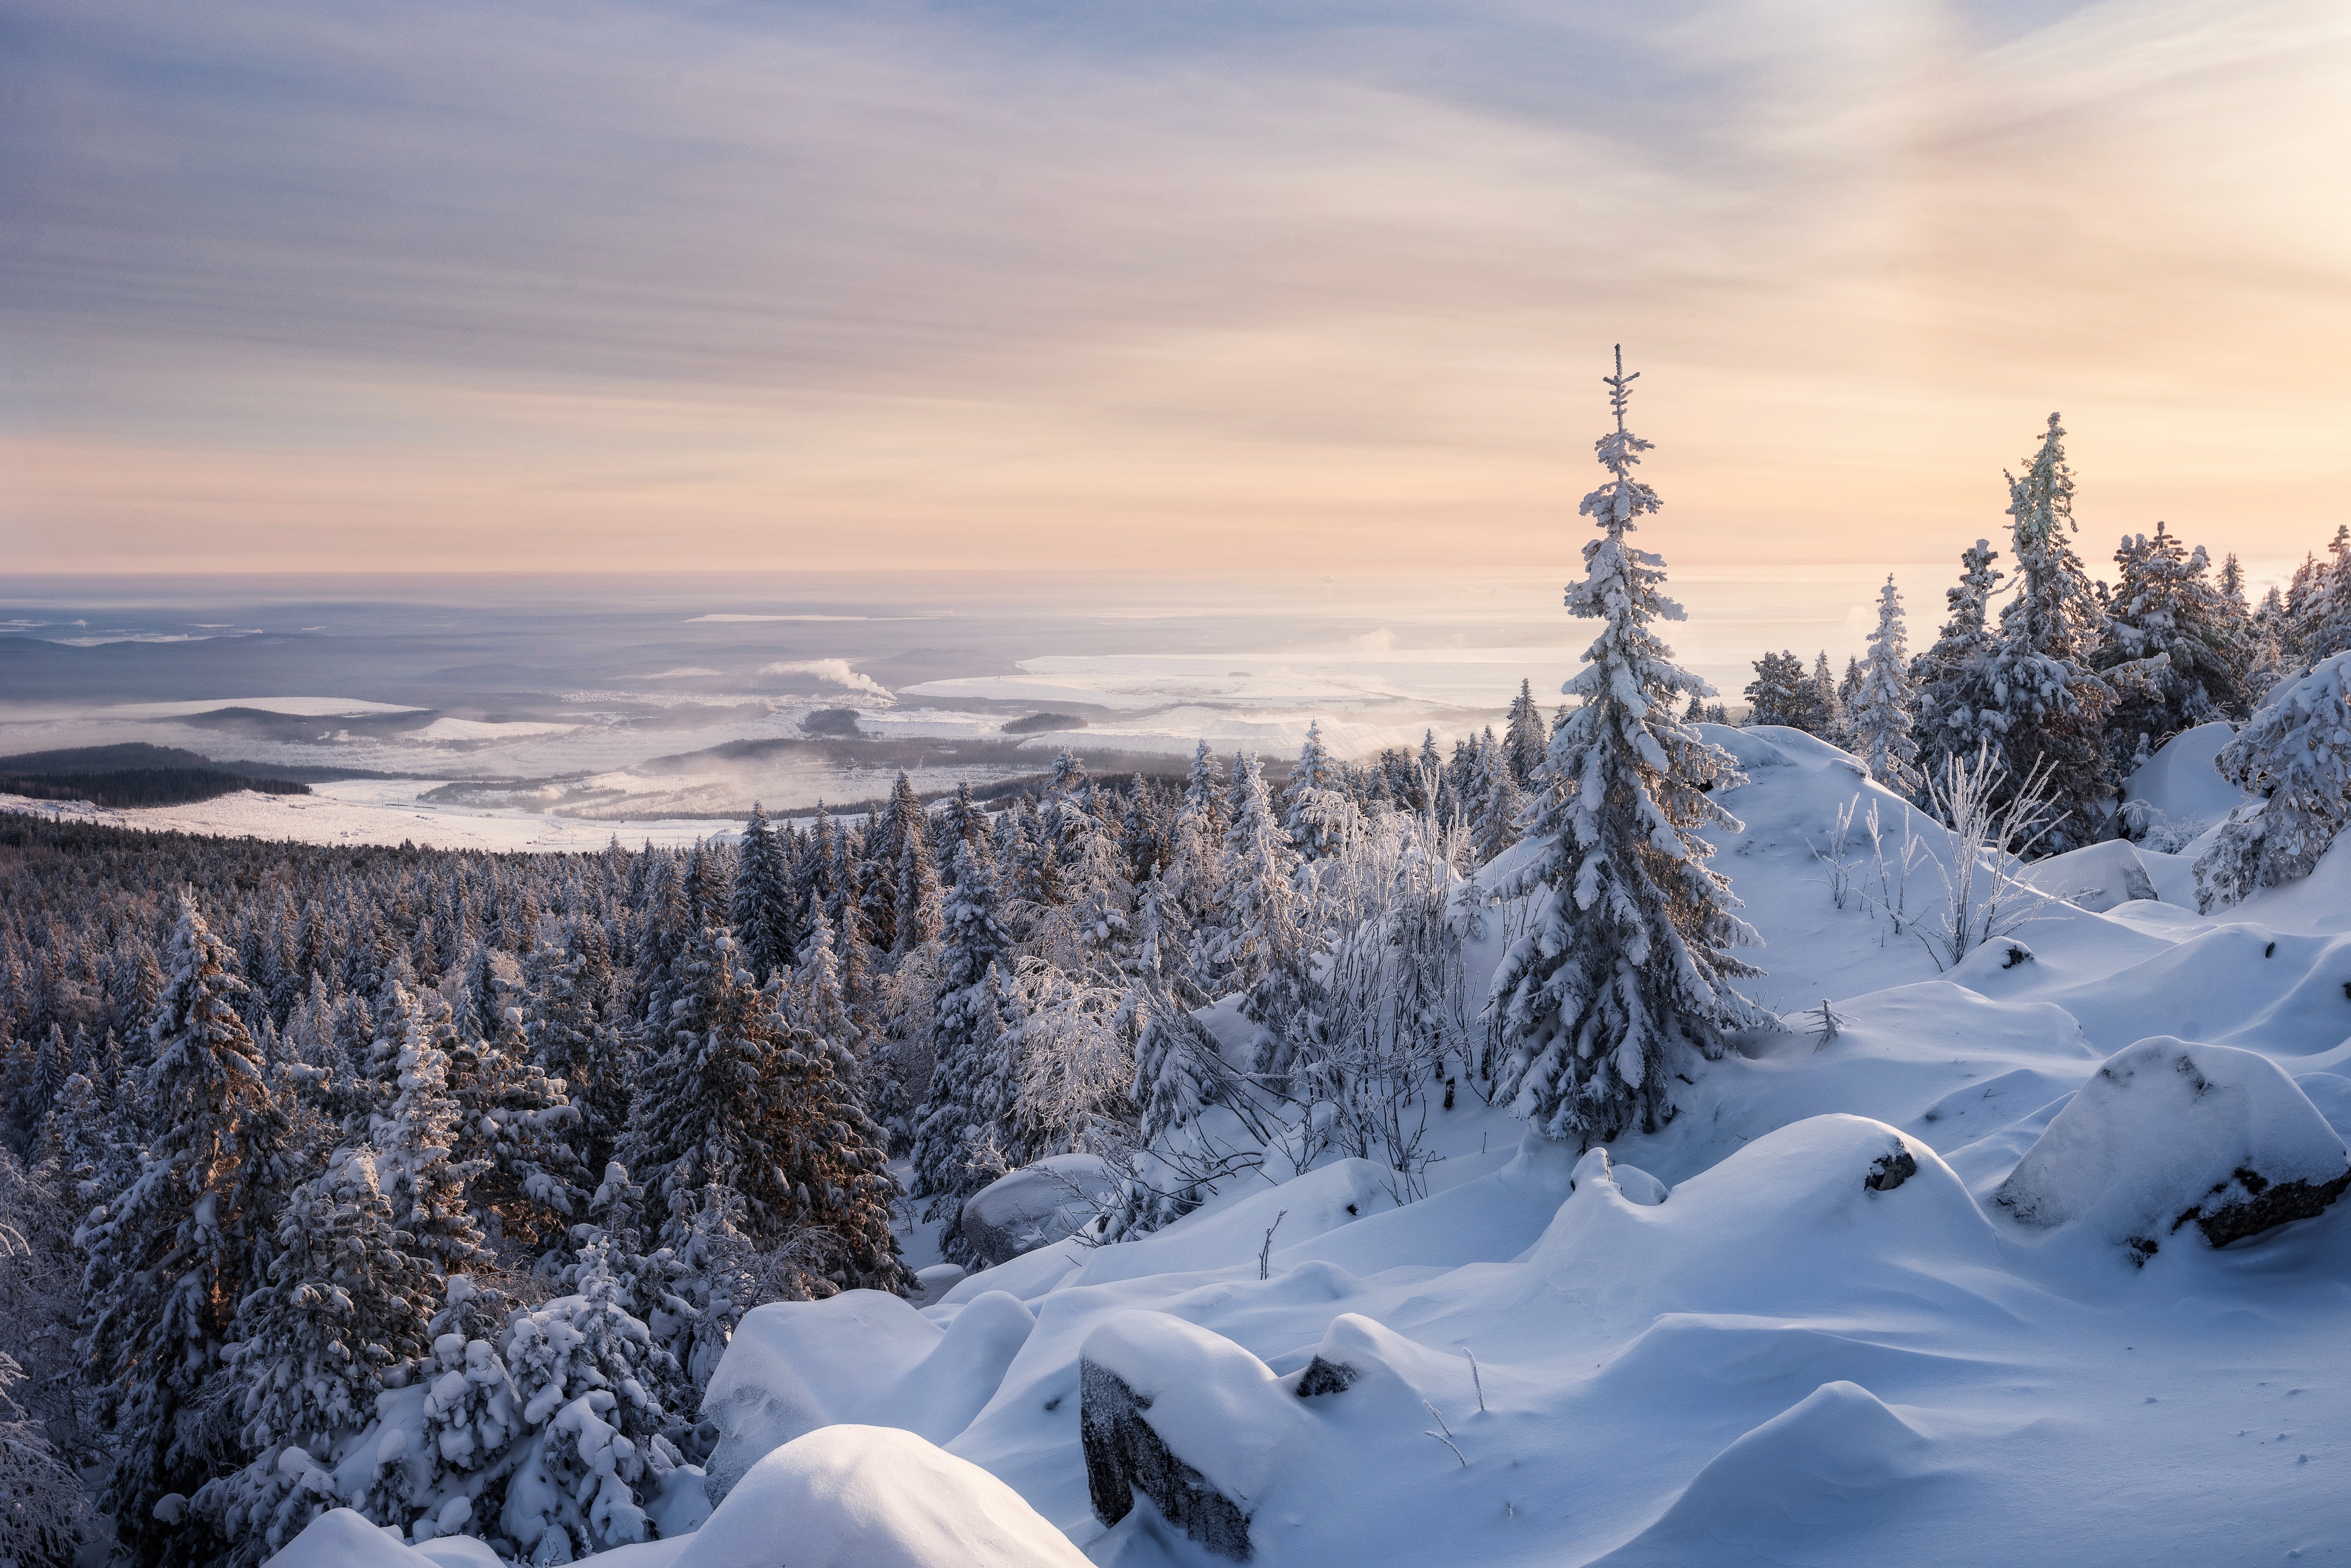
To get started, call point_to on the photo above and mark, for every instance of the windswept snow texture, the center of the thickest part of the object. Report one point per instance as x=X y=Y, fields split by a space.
x=1725 y=1345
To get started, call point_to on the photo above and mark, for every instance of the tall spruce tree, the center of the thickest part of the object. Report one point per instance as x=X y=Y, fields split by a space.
x=175 y=1251
x=2044 y=710
x=1627 y=958
x=1953 y=721
x=764 y=920
x=966 y=1099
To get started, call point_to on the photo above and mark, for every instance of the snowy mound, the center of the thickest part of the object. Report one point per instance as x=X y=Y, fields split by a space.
x=872 y=1497
x=1840 y=1463
x=2179 y=789
x=342 y=1539
x=1832 y=1198
x=862 y=1356
x=2095 y=878
x=2167 y=1134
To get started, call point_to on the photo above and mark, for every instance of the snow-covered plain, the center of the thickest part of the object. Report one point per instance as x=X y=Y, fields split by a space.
x=379 y=811
x=1840 y=1338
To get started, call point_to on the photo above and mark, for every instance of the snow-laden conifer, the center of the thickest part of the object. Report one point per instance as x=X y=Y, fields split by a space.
x=175 y=1251
x=1878 y=720
x=1261 y=945
x=965 y=1097
x=2295 y=753
x=2166 y=611
x=2040 y=705
x=1953 y=721
x=1627 y=959
x=766 y=921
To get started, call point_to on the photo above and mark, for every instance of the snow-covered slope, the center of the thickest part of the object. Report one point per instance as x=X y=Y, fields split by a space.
x=1863 y=1325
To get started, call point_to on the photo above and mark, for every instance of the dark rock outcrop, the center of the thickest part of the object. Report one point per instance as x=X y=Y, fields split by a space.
x=1889 y=1171
x=1323 y=1376
x=1124 y=1456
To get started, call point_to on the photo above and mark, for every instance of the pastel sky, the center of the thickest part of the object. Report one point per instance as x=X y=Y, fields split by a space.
x=1156 y=286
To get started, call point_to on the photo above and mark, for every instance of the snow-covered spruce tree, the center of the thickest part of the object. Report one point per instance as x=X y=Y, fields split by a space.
x=969 y=1090
x=2316 y=622
x=1312 y=813
x=1627 y=954
x=1089 y=931
x=764 y=920
x=171 y=1256
x=1501 y=803
x=345 y=1305
x=587 y=1371
x=572 y=1036
x=1827 y=706
x=1878 y=722
x=1526 y=739
x=744 y=1095
x=2168 y=610
x=1953 y=721
x=415 y=1141
x=2044 y=710
x=914 y=873
x=1195 y=854
x=1261 y=946
x=2295 y=753
x=518 y=1128
x=1781 y=693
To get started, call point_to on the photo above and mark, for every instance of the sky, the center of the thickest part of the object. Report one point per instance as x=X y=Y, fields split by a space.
x=1201 y=289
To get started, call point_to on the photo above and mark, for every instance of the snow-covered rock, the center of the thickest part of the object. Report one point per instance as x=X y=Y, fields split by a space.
x=1025 y=1208
x=874 y=1497
x=2095 y=878
x=2167 y=1134
x=1185 y=1417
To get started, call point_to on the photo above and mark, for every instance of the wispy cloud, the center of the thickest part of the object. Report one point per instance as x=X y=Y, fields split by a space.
x=617 y=284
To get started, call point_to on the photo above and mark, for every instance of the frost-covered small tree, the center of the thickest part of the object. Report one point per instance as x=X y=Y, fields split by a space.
x=1526 y=738
x=2295 y=753
x=2317 y=620
x=571 y=1035
x=175 y=1251
x=1315 y=813
x=1878 y=722
x=345 y=1303
x=1626 y=957
x=1828 y=707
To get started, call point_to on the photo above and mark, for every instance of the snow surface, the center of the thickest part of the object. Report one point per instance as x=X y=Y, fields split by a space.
x=1777 y=1362
x=379 y=811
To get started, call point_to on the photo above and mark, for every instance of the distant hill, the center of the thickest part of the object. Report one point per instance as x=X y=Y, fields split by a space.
x=136 y=773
